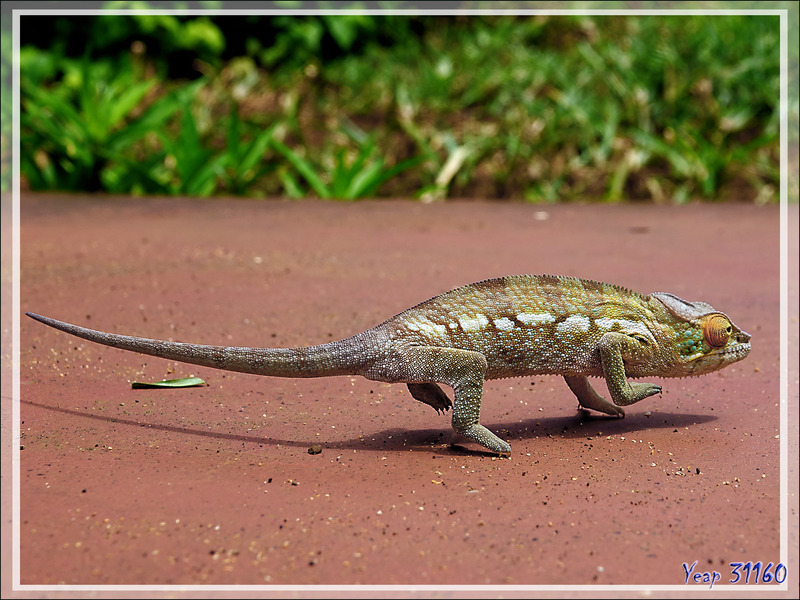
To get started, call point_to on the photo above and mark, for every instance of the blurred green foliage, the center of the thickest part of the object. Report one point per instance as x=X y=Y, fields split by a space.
x=540 y=108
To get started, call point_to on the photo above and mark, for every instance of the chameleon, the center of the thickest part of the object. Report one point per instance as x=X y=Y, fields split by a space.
x=510 y=326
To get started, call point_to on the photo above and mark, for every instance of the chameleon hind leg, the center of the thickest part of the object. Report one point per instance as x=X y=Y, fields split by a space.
x=462 y=370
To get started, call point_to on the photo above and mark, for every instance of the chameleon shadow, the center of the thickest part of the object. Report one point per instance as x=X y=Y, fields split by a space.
x=393 y=440
x=583 y=423
x=437 y=440
x=390 y=439
x=156 y=426
x=579 y=425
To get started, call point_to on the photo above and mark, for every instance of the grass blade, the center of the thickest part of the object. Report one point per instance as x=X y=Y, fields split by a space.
x=304 y=168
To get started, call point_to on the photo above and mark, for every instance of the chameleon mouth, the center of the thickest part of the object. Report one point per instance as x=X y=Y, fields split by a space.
x=718 y=359
x=741 y=348
x=734 y=353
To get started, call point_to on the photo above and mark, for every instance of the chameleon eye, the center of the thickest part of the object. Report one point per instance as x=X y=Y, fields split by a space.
x=717 y=331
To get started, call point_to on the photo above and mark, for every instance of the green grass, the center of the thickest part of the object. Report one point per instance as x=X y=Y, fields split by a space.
x=595 y=108
x=664 y=109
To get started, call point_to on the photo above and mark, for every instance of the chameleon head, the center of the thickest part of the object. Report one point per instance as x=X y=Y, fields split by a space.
x=705 y=339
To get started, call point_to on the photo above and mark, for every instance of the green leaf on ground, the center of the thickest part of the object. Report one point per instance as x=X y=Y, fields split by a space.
x=168 y=383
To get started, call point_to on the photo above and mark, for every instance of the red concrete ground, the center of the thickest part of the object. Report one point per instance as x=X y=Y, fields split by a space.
x=215 y=485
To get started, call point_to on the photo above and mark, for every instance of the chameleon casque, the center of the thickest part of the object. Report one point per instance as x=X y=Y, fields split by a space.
x=506 y=327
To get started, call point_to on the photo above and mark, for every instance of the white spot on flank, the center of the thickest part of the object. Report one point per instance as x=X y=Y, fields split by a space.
x=504 y=324
x=574 y=322
x=608 y=323
x=535 y=318
x=432 y=328
x=425 y=326
x=626 y=326
x=453 y=325
x=480 y=321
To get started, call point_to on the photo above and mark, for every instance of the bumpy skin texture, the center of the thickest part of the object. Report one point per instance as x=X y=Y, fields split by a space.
x=507 y=327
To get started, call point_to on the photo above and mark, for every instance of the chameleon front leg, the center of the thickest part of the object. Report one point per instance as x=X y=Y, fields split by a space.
x=615 y=348
x=589 y=398
x=462 y=370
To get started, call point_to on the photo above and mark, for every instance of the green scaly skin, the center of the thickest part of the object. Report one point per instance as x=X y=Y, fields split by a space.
x=507 y=327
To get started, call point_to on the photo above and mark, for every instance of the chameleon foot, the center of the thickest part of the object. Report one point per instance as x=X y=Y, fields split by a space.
x=589 y=398
x=432 y=395
x=640 y=391
x=487 y=439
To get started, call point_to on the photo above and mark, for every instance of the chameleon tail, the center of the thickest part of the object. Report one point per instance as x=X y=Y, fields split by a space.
x=324 y=360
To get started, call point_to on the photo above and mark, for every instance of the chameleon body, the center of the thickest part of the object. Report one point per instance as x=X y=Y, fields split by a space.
x=506 y=327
